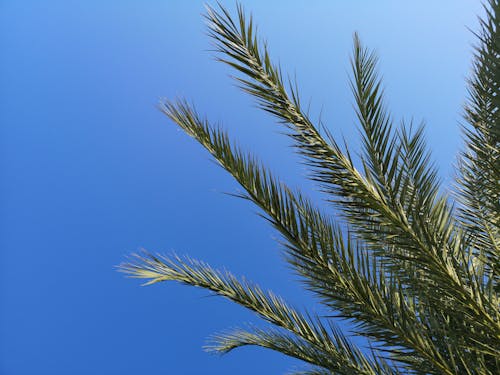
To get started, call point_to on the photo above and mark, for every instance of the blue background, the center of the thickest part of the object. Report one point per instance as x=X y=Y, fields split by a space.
x=91 y=170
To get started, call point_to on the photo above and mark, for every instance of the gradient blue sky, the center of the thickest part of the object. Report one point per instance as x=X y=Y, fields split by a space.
x=91 y=171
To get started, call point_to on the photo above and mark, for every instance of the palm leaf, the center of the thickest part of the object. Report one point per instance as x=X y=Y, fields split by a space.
x=429 y=238
x=419 y=281
x=479 y=178
x=310 y=340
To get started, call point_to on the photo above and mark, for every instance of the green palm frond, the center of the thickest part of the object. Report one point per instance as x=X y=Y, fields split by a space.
x=311 y=340
x=295 y=347
x=479 y=179
x=343 y=276
x=416 y=277
x=428 y=238
x=361 y=200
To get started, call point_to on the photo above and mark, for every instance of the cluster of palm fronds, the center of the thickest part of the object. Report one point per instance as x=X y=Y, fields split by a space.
x=415 y=269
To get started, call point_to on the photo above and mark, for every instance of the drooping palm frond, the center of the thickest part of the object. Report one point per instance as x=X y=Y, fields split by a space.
x=296 y=347
x=418 y=282
x=310 y=340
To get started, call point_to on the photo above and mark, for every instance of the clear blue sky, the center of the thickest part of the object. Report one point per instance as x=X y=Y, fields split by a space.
x=91 y=171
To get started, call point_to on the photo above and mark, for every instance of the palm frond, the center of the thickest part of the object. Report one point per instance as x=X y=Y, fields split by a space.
x=295 y=347
x=419 y=282
x=311 y=335
x=344 y=277
x=428 y=239
x=479 y=166
x=380 y=146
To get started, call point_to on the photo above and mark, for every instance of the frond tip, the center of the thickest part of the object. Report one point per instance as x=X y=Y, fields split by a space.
x=145 y=266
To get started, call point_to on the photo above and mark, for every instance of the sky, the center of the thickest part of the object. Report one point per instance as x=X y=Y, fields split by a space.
x=91 y=171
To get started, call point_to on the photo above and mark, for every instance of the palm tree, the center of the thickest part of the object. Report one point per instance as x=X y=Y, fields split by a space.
x=415 y=268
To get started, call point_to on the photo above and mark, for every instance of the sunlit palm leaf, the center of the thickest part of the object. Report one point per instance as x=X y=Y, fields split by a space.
x=419 y=281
